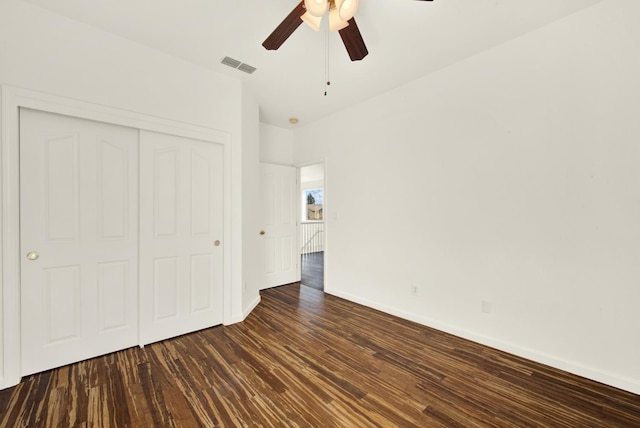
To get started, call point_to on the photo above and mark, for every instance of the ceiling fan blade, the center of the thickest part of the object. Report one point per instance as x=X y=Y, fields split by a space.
x=285 y=29
x=353 y=41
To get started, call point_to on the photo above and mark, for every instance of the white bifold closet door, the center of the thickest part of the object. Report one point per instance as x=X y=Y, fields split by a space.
x=181 y=208
x=79 y=235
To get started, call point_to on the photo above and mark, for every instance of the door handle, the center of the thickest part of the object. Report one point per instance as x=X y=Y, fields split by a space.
x=217 y=243
x=33 y=255
x=262 y=232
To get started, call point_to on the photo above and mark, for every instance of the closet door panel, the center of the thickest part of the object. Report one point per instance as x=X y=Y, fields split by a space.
x=79 y=239
x=180 y=237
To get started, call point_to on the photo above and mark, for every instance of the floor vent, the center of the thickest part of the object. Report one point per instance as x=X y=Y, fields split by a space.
x=234 y=63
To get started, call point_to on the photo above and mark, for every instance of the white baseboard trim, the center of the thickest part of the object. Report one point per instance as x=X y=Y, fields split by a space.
x=245 y=313
x=616 y=381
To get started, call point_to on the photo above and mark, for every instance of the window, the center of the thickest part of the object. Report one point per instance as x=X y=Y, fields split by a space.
x=314 y=200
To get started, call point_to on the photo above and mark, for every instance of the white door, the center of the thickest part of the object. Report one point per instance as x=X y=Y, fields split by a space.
x=279 y=208
x=180 y=237
x=79 y=233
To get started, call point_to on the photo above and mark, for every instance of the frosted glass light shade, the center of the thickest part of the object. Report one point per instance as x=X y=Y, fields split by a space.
x=316 y=8
x=335 y=23
x=347 y=8
x=312 y=21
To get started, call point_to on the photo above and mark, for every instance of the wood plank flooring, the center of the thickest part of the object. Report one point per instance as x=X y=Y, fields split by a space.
x=306 y=359
x=312 y=272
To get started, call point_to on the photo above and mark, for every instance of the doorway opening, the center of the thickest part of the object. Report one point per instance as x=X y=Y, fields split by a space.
x=312 y=219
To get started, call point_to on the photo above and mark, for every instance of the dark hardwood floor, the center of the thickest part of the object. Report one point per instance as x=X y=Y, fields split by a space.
x=306 y=359
x=313 y=270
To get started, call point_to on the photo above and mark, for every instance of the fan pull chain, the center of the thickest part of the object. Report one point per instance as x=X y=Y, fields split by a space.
x=326 y=63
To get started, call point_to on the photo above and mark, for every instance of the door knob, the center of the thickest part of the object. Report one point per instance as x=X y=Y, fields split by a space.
x=32 y=255
x=217 y=243
x=262 y=232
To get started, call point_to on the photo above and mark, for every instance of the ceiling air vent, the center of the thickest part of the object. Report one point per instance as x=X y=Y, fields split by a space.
x=234 y=63
x=246 y=68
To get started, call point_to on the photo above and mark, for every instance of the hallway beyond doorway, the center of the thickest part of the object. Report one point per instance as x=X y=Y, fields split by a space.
x=313 y=270
x=311 y=230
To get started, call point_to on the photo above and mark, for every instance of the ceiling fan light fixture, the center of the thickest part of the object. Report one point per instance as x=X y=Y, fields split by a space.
x=347 y=8
x=312 y=21
x=316 y=8
x=335 y=22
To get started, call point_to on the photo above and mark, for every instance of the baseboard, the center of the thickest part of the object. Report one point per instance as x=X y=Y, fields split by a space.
x=8 y=383
x=245 y=313
x=616 y=381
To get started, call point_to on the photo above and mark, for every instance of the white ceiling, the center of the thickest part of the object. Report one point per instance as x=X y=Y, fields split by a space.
x=406 y=39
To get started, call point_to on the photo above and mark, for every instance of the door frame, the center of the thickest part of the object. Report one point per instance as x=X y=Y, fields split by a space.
x=12 y=99
x=327 y=220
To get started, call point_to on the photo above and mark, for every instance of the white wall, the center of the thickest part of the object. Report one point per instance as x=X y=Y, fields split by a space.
x=512 y=177
x=276 y=145
x=45 y=52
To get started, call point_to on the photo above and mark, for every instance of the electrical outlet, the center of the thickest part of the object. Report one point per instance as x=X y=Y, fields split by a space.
x=486 y=307
x=414 y=290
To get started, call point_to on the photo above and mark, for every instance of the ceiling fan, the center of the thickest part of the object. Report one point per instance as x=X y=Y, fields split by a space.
x=340 y=19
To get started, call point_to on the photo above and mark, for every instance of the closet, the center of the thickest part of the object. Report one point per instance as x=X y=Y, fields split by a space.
x=120 y=237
